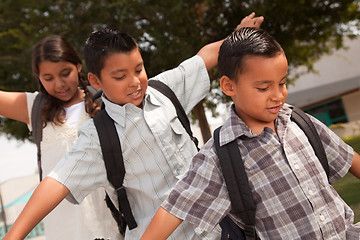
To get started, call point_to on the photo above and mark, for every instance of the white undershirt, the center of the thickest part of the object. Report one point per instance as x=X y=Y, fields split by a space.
x=73 y=114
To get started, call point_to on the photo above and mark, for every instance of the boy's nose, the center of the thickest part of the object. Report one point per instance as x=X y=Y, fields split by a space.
x=277 y=95
x=134 y=81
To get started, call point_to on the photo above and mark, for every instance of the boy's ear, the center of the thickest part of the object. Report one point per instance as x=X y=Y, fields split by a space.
x=94 y=80
x=79 y=67
x=227 y=86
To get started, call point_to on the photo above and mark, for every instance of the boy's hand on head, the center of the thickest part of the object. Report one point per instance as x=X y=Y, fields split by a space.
x=250 y=21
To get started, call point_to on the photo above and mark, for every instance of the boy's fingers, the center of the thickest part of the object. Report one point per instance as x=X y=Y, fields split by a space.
x=258 y=22
x=251 y=15
x=250 y=21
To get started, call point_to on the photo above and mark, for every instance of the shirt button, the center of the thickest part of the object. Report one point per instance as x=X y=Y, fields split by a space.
x=296 y=166
x=322 y=218
x=311 y=192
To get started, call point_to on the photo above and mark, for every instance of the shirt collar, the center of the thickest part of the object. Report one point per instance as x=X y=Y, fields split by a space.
x=118 y=113
x=234 y=127
x=150 y=97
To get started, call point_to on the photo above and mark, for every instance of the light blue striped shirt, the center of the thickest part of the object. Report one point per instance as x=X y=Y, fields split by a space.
x=156 y=148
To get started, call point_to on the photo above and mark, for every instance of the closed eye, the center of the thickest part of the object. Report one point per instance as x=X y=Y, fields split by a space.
x=119 y=78
x=262 y=89
x=66 y=74
x=283 y=83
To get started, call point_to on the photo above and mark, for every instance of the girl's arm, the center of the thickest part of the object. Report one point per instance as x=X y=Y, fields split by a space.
x=161 y=226
x=45 y=198
x=14 y=105
x=210 y=52
x=355 y=166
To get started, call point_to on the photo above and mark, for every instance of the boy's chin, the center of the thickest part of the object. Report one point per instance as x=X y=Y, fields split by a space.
x=140 y=105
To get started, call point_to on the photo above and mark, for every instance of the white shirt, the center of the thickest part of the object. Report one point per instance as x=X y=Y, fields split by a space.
x=156 y=148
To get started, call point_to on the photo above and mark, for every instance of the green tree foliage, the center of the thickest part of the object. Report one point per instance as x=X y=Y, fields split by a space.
x=168 y=32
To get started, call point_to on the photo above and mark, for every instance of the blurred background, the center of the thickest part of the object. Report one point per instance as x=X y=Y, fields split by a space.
x=320 y=38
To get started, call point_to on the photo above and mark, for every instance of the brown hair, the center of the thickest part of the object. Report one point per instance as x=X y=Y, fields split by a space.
x=56 y=49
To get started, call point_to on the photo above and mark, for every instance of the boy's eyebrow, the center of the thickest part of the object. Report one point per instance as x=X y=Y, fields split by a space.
x=269 y=81
x=117 y=71
x=123 y=70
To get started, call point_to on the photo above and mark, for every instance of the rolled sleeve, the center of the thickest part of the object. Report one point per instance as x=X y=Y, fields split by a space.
x=339 y=154
x=189 y=81
x=82 y=170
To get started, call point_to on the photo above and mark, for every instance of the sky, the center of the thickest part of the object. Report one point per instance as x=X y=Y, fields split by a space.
x=17 y=158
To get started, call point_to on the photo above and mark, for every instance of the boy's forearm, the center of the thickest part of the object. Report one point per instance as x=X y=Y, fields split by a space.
x=45 y=198
x=355 y=166
x=209 y=54
x=161 y=226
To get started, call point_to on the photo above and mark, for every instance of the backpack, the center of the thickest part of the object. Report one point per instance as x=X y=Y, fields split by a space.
x=112 y=154
x=237 y=183
x=37 y=123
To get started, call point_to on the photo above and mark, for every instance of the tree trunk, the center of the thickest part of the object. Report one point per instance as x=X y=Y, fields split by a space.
x=199 y=112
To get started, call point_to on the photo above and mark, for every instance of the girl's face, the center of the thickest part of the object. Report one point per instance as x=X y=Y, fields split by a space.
x=61 y=80
x=260 y=91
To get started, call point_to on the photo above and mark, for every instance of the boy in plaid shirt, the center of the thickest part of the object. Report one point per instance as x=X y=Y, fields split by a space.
x=290 y=188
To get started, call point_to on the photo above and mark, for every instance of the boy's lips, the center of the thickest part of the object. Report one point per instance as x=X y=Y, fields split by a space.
x=136 y=94
x=275 y=109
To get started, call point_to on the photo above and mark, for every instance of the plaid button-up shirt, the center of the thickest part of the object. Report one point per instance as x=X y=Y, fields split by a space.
x=289 y=185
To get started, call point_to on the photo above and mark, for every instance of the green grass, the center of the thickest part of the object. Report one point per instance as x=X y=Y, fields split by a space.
x=349 y=186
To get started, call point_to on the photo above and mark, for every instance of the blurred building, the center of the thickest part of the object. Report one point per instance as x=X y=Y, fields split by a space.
x=333 y=93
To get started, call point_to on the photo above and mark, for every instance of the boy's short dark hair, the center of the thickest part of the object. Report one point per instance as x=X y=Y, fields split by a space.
x=102 y=43
x=243 y=42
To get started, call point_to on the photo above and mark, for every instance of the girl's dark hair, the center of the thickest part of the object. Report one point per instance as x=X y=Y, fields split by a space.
x=241 y=43
x=103 y=43
x=56 y=49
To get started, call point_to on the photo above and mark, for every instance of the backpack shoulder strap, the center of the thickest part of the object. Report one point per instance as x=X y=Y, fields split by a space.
x=237 y=183
x=95 y=94
x=305 y=123
x=37 y=126
x=115 y=169
x=165 y=90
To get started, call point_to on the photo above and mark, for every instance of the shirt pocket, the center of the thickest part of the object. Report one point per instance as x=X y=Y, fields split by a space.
x=179 y=134
x=185 y=147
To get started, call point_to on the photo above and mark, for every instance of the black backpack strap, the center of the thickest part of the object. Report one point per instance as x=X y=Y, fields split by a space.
x=237 y=183
x=115 y=169
x=95 y=95
x=305 y=123
x=37 y=126
x=164 y=89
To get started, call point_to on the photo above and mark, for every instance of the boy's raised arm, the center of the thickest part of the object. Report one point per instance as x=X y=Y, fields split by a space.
x=209 y=52
x=45 y=198
x=161 y=226
x=355 y=166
